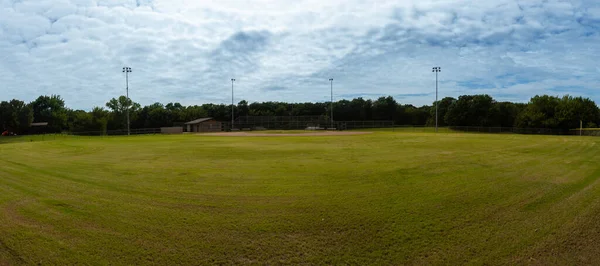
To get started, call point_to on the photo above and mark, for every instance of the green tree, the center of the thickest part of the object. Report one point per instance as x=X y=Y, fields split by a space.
x=504 y=114
x=193 y=112
x=158 y=116
x=7 y=116
x=50 y=109
x=539 y=113
x=470 y=110
x=15 y=116
x=99 y=119
x=384 y=108
x=443 y=107
x=571 y=110
x=79 y=121
x=119 y=107
x=176 y=112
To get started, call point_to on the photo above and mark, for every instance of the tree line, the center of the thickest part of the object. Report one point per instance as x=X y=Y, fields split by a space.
x=468 y=110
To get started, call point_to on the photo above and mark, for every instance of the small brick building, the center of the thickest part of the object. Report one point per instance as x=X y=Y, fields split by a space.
x=207 y=124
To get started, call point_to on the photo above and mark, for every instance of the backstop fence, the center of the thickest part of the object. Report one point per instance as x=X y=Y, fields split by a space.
x=349 y=125
x=300 y=123
x=279 y=123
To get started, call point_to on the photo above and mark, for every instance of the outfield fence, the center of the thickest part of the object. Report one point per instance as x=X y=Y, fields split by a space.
x=31 y=138
x=586 y=132
x=316 y=124
x=119 y=132
x=65 y=135
x=488 y=130
x=510 y=130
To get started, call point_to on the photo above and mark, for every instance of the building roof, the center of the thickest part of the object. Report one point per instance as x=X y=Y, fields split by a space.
x=198 y=121
x=39 y=124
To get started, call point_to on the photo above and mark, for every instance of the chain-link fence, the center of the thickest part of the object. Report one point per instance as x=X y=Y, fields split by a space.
x=316 y=123
x=31 y=138
x=496 y=130
x=300 y=123
x=488 y=130
x=349 y=125
x=76 y=135
x=585 y=132
x=279 y=123
x=118 y=132
x=514 y=130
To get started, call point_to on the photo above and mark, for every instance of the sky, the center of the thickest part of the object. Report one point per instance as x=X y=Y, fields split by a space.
x=187 y=51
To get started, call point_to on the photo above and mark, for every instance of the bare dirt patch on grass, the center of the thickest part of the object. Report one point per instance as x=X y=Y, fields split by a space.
x=251 y=134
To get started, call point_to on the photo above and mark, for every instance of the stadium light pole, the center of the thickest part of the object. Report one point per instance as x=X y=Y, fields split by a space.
x=331 y=81
x=127 y=70
x=436 y=70
x=232 y=80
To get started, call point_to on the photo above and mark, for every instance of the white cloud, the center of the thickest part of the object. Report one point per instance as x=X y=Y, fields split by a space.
x=186 y=51
x=59 y=9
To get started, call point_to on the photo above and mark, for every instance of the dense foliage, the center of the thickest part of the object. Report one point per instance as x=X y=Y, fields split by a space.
x=468 y=110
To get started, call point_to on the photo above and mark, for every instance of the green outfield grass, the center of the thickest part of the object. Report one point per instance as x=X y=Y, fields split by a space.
x=384 y=198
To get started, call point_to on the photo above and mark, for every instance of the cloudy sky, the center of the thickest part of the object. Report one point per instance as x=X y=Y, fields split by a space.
x=188 y=50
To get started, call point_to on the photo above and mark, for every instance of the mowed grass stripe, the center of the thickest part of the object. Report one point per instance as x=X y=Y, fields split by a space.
x=387 y=198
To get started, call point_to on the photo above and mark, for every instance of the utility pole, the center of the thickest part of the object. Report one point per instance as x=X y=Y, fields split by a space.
x=436 y=70
x=127 y=70
x=232 y=80
x=331 y=81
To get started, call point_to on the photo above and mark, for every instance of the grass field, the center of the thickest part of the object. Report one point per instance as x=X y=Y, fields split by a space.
x=381 y=198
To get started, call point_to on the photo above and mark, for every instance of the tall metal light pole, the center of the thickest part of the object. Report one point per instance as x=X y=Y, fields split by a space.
x=331 y=81
x=232 y=80
x=127 y=70
x=436 y=70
